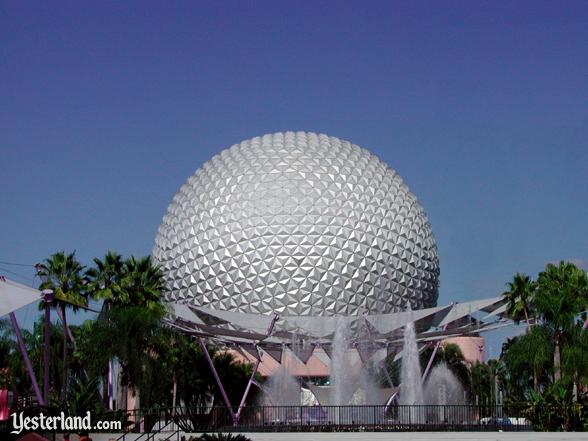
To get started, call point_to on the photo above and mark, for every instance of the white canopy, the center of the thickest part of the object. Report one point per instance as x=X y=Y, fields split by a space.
x=254 y=322
x=14 y=296
x=185 y=313
x=386 y=323
x=460 y=310
x=244 y=328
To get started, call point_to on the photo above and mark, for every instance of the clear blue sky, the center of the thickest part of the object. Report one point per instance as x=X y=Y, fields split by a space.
x=107 y=107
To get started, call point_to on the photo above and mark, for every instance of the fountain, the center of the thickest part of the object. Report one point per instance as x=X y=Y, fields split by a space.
x=343 y=381
x=282 y=389
x=411 y=387
x=441 y=389
x=351 y=382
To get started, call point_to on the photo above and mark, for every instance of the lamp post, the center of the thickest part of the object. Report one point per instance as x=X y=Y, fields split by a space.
x=48 y=298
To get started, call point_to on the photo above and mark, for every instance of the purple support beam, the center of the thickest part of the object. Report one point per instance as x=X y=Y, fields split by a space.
x=48 y=297
x=387 y=374
x=430 y=363
x=390 y=400
x=242 y=403
x=25 y=356
x=217 y=379
x=262 y=388
x=252 y=378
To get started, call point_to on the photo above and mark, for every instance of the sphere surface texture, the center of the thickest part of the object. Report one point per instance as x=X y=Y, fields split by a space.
x=300 y=224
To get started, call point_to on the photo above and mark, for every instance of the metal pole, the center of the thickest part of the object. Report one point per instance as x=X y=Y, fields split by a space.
x=25 y=356
x=430 y=362
x=252 y=377
x=217 y=379
x=384 y=367
x=242 y=403
x=48 y=297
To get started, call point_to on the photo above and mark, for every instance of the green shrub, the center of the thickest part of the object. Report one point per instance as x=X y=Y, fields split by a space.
x=555 y=409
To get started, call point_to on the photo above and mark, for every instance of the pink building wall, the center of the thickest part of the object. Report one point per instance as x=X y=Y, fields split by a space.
x=471 y=347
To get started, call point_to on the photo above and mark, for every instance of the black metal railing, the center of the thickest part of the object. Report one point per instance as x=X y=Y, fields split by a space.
x=332 y=418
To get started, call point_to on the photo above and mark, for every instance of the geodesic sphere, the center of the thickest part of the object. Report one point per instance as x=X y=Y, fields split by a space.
x=300 y=224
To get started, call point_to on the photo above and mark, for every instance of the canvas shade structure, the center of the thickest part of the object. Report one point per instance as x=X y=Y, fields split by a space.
x=460 y=310
x=387 y=323
x=246 y=328
x=381 y=338
x=14 y=296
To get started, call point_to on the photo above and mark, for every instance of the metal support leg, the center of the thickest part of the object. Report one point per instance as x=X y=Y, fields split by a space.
x=27 y=361
x=430 y=362
x=261 y=388
x=48 y=297
x=217 y=379
x=252 y=378
x=249 y=383
x=387 y=374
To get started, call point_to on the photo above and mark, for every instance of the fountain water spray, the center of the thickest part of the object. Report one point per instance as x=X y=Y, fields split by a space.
x=343 y=383
x=411 y=387
x=443 y=387
x=281 y=387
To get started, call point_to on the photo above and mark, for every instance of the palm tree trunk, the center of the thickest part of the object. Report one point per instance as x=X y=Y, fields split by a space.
x=64 y=391
x=175 y=394
x=557 y=360
x=105 y=377
x=124 y=394
x=535 y=380
x=527 y=319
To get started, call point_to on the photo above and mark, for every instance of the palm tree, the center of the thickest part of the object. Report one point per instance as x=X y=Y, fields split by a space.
x=530 y=356
x=130 y=282
x=129 y=288
x=538 y=349
x=561 y=295
x=105 y=280
x=482 y=391
x=520 y=297
x=62 y=273
x=128 y=334
x=575 y=359
x=143 y=283
x=134 y=281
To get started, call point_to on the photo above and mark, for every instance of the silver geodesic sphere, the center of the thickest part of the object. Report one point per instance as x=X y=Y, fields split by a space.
x=301 y=224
